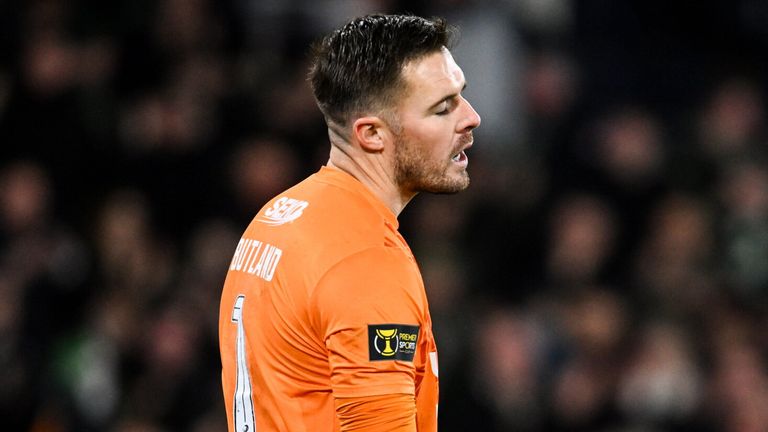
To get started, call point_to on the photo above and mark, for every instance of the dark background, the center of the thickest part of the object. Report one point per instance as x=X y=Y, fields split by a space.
x=607 y=270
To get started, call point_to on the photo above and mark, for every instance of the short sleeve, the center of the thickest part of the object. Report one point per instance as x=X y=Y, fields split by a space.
x=370 y=307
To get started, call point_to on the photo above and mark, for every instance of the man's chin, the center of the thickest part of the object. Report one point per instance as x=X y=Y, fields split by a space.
x=449 y=188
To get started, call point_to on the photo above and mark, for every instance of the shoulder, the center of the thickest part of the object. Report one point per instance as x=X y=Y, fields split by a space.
x=380 y=262
x=318 y=224
x=324 y=218
x=375 y=279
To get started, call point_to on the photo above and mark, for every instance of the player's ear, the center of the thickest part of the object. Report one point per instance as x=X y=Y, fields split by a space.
x=371 y=132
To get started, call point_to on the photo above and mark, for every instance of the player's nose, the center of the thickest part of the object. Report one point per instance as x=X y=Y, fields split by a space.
x=471 y=118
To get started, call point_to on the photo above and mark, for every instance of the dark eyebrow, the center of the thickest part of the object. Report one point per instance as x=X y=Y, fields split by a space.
x=448 y=97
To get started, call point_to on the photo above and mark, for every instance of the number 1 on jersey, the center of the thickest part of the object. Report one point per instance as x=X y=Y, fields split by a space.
x=245 y=420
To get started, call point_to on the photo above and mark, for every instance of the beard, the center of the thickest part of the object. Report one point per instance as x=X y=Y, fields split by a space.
x=415 y=173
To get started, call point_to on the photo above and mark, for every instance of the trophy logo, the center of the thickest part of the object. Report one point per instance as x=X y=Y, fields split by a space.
x=387 y=335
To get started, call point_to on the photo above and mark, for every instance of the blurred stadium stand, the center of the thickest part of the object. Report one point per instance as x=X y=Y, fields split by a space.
x=606 y=271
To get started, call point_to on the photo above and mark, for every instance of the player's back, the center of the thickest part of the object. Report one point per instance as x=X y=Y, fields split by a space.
x=275 y=363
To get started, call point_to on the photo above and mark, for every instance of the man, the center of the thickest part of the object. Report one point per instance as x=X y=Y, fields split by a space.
x=324 y=322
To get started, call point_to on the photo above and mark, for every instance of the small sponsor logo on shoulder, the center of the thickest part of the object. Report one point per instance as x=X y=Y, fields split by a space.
x=392 y=342
x=283 y=210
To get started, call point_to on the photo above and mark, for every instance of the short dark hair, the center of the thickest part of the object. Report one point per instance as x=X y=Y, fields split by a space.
x=358 y=68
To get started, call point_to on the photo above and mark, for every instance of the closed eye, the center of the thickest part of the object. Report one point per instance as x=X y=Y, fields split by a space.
x=448 y=103
x=446 y=107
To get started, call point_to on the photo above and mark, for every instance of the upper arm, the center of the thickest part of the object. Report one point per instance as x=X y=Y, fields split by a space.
x=370 y=307
x=390 y=413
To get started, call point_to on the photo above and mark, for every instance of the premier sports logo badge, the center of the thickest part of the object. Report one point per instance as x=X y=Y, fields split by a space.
x=392 y=342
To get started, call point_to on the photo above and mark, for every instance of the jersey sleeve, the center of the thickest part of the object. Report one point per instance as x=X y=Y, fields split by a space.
x=387 y=413
x=370 y=307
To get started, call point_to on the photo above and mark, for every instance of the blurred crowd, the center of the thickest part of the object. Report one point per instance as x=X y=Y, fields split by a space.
x=606 y=271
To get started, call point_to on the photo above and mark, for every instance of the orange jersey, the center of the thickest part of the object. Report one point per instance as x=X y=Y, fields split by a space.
x=324 y=314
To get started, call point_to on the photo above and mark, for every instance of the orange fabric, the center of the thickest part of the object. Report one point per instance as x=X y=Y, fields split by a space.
x=389 y=413
x=321 y=302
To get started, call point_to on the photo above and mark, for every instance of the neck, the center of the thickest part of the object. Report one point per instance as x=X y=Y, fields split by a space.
x=374 y=170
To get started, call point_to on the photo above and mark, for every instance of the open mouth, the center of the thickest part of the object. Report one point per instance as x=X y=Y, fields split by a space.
x=465 y=143
x=459 y=157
